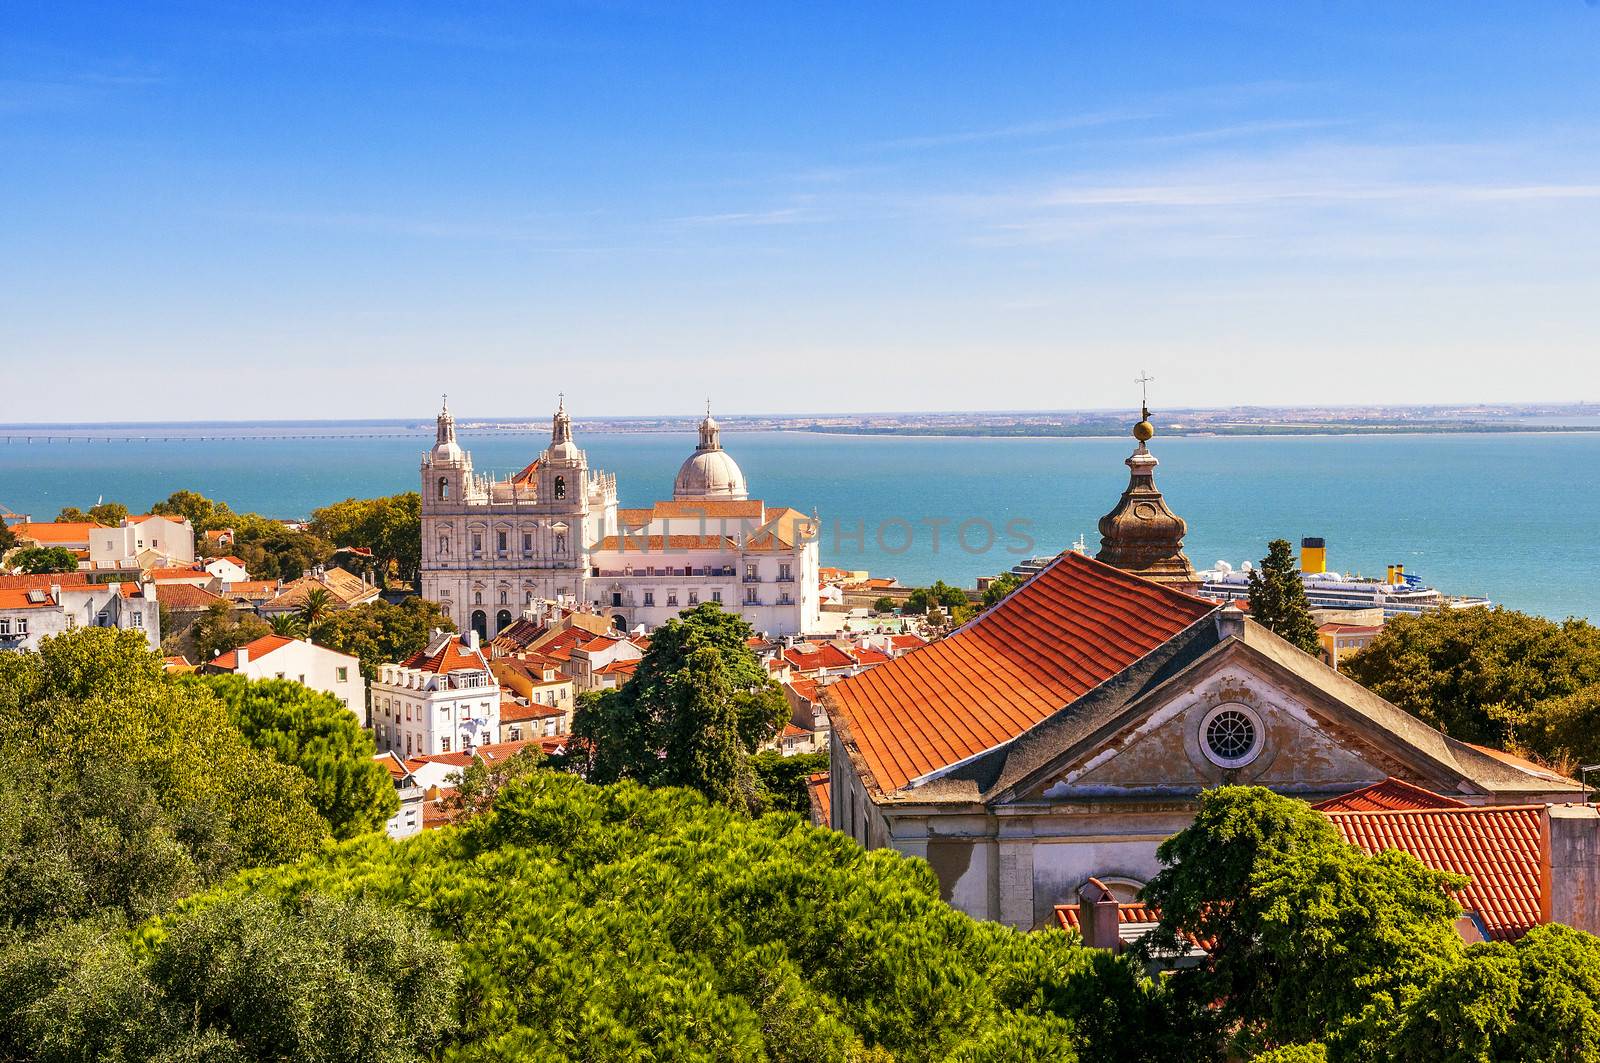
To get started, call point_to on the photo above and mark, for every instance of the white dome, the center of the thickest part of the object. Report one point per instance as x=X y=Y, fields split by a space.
x=448 y=452
x=710 y=474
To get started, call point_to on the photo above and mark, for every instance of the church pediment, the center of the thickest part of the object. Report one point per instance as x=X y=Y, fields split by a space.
x=1235 y=718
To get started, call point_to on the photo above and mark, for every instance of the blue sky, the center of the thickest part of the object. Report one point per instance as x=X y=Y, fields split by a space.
x=275 y=210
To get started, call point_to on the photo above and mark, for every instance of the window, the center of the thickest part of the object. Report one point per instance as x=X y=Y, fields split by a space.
x=751 y=573
x=444 y=489
x=22 y=625
x=5 y=625
x=672 y=598
x=444 y=745
x=408 y=743
x=561 y=487
x=1230 y=735
x=649 y=597
x=408 y=710
x=750 y=596
x=785 y=572
x=500 y=542
x=694 y=597
x=477 y=543
x=103 y=619
x=138 y=619
x=716 y=595
x=527 y=542
x=343 y=672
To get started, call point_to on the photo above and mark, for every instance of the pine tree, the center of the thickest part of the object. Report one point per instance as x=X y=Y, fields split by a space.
x=1278 y=598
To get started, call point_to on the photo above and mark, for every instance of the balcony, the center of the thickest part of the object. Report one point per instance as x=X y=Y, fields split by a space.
x=752 y=579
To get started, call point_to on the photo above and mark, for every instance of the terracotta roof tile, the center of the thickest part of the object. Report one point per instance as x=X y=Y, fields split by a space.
x=1068 y=629
x=72 y=531
x=821 y=798
x=186 y=596
x=1390 y=795
x=257 y=648
x=44 y=581
x=1499 y=848
x=19 y=598
x=446 y=655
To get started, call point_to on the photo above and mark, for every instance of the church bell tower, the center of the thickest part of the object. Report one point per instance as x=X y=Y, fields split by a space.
x=1140 y=534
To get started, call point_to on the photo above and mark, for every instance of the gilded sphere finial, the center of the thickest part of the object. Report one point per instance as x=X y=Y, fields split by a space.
x=1144 y=431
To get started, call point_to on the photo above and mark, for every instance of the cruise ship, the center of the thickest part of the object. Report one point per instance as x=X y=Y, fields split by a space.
x=1398 y=593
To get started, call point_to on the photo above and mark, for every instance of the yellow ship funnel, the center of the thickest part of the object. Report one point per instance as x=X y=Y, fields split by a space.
x=1313 y=555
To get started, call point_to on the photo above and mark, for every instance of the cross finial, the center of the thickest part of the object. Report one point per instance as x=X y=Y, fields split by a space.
x=708 y=405
x=445 y=402
x=561 y=401
x=1144 y=380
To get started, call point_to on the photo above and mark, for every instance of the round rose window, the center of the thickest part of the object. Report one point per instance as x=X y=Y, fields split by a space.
x=1231 y=736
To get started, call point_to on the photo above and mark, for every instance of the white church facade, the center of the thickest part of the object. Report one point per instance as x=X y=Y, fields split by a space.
x=555 y=530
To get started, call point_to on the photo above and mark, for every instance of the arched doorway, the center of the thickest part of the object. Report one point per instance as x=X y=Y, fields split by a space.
x=480 y=624
x=502 y=620
x=620 y=622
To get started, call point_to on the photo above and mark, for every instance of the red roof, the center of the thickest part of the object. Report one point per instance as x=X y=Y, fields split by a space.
x=515 y=712
x=1498 y=848
x=1065 y=631
x=1134 y=913
x=806 y=688
x=258 y=648
x=449 y=656
x=181 y=574
x=44 y=581
x=186 y=596
x=1390 y=795
x=67 y=531
x=907 y=641
x=821 y=797
x=17 y=598
x=488 y=753
x=826 y=655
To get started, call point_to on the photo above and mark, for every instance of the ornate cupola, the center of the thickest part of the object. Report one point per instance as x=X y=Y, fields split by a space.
x=710 y=473
x=1141 y=535
x=446 y=451
x=562 y=448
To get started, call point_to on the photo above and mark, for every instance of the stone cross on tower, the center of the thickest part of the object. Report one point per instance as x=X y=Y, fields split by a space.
x=1144 y=380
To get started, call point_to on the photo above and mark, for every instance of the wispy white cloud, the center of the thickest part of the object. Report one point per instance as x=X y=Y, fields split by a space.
x=1016 y=131
x=779 y=216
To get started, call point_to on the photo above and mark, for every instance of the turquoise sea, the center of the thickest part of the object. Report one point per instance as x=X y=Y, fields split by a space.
x=1513 y=517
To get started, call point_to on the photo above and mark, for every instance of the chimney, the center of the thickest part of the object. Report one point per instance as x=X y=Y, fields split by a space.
x=1313 y=555
x=469 y=638
x=241 y=657
x=1570 y=871
x=1230 y=622
x=1097 y=916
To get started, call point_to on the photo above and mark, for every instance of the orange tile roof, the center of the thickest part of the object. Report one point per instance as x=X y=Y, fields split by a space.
x=1390 y=795
x=871 y=656
x=560 y=647
x=449 y=656
x=707 y=508
x=186 y=596
x=1350 y=629
x=18 y=598
x=258 y=648
x=806 y=688
x=658 y=544
x=821 y=797
x=1129 y=913
x=907 y=641
x=71 y=531
x=253 y=588
x=180 y=575
x=1065 y=631
x=1499 y=848
x=489 y=753
x=825 y=656
x=515 y=712
x=1521 y=763
x=619 y=668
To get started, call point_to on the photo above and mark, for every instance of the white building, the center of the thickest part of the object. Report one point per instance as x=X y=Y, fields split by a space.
x=492 y=547
x=407 y=819
x=444 y=699
x=33 y=608
x=226 y=570
x=310 y=665
x=144 y=541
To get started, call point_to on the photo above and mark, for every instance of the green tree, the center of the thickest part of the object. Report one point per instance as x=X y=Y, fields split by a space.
x=314 y=732
x=941 y=595
x=883 y=605
x=222 y=628
x=40 y=560
x=203 y=514
x=1314 y=939
x=1278 y=598
x=380 y=633
x=289 y=625
x=8 y=538
x=123 y=789
x=246 y=978
x=999 y=587
x=782 y=783
x=71 y=515
x=109 y=514
x=482 y=782
x=1492 y=676
x=315 y=607
x=391 y=527
x=699 y=703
